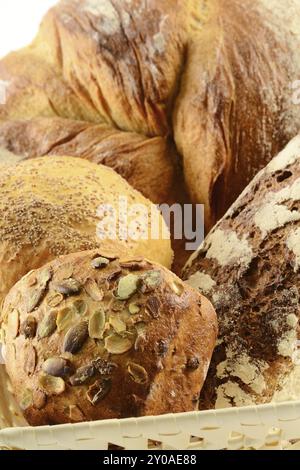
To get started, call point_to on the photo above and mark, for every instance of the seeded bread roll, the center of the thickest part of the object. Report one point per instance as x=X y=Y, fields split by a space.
x=50 y=206
x=91 y=337
x=249 y=268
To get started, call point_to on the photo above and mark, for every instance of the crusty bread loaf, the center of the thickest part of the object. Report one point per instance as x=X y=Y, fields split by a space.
x=48 y=207
x=148 y=164
x=91 y=337
x=249 y=268
x=216 y=76
x=234 y=111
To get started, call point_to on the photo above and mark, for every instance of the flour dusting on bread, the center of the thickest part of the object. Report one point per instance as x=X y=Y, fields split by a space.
x=248 y=370
x=226 y=248
x=201 y=281
x=257 y=300
x=230 y=394
x=293 y=244
x=110 y=22
x=273 y=216
x=287 y=157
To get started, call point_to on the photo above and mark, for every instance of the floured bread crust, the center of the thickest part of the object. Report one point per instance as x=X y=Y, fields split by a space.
x=248 y=267
x=234 y=111
x=90 y=337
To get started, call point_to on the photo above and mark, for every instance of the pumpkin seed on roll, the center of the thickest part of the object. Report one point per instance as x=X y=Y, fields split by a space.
x=48 y=208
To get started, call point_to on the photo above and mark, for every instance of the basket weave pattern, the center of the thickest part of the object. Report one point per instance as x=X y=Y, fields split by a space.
x=273 y=427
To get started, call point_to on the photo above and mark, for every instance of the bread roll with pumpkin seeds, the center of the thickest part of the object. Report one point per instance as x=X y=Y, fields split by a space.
x=91 y=337
x=48 y=207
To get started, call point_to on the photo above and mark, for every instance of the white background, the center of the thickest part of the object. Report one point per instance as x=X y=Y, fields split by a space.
x=19 y=22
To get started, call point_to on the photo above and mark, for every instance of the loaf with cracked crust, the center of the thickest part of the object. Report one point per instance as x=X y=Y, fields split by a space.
x=89 y=336
x=214 y=76
x=56 y=205
x=249 y=268
x=150 y=165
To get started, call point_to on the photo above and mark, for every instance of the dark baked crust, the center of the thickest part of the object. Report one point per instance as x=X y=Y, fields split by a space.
x=249 y=268
x=164 y=344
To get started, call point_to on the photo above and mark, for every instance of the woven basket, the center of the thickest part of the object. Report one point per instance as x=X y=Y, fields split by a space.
x=273 y=427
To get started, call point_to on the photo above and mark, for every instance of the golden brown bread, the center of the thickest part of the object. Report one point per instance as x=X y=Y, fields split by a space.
x=89 y=337
x=234 y=111
x=44 y=81
x=248 y=267
x=48 y=207
x=148 y=164
x=101 y=61
x=213 y=76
